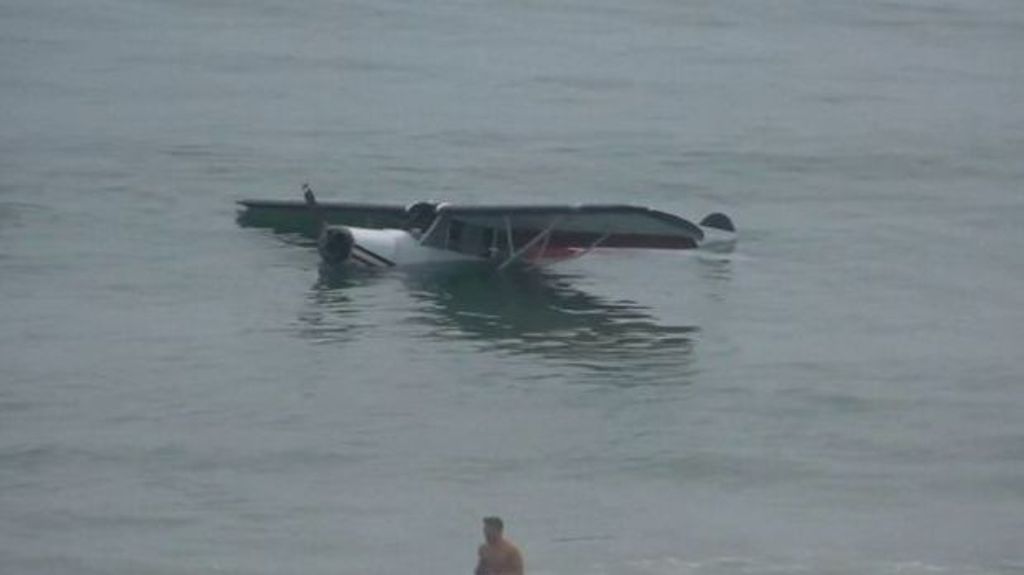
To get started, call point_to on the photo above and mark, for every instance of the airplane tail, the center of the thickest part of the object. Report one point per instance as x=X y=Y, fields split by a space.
x=718 y=221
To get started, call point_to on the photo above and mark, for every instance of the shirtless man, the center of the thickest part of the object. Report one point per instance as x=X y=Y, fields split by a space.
x=498 y=556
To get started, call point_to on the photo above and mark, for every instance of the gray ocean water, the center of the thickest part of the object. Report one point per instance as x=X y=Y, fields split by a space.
x=840 y=395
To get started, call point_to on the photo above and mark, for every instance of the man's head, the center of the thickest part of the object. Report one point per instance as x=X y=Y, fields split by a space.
x=493 y=528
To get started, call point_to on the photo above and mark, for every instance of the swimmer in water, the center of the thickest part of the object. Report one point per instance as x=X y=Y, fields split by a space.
x=498 y=556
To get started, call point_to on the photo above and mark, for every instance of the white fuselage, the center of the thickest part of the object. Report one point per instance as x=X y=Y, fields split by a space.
x=387 y=248
x=374 y=248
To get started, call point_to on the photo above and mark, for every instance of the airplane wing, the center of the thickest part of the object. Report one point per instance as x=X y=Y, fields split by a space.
x=294 y=215
x=581 y=226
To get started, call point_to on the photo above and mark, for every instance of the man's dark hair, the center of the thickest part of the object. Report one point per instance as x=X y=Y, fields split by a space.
x=494 y=522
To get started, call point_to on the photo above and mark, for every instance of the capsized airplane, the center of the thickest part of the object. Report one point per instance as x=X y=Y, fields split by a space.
x=386 y=235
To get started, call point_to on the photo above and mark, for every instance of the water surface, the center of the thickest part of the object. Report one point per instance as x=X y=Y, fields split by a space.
x=840 y=395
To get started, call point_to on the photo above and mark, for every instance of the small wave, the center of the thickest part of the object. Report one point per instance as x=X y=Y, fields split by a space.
x=781 y=566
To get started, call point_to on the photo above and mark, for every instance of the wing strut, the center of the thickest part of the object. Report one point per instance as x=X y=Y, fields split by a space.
x=595 y=243
x=508 y=234
x=518 y=254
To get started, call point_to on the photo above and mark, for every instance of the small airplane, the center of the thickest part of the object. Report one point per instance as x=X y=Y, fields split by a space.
x=423 y=233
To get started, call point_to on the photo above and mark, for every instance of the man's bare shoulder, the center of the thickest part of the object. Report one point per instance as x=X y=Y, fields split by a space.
x=514 y=560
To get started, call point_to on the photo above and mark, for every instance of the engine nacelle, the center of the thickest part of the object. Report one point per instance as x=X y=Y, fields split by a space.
x=335 y=244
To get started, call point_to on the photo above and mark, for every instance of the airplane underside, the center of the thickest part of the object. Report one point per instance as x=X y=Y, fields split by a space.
x=423 y=233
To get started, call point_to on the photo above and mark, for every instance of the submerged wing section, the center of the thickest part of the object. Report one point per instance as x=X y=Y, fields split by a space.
x=506 y=229
x=293 y=216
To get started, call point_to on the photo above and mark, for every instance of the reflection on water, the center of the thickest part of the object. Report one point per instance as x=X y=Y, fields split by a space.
x=528 y=312
x=717 y=270
x=337 y=305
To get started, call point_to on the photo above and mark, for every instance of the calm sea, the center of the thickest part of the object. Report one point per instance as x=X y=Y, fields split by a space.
x=841 y=395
